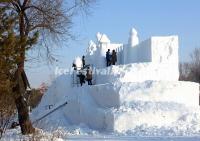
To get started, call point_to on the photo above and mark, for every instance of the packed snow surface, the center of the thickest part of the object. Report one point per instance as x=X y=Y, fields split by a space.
x=123 y=105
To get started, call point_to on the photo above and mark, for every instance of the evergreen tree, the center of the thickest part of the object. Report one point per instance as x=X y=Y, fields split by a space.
x=8 y=58
x=11 y=88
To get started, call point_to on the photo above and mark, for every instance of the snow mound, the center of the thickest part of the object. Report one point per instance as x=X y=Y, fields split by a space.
x=123 y=102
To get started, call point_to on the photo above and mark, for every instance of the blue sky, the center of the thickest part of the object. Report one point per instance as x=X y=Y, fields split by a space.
x=116 y=17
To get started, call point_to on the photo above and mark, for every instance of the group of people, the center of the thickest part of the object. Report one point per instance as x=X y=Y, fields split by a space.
x=87 y=77
x=111 y=59
x=84 y=77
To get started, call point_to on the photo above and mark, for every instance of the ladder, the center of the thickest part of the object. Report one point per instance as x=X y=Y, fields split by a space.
x=75 y=78
x=60 y=106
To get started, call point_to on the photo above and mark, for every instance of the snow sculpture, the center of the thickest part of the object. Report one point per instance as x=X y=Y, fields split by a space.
x=95 y=53
x=143 y=84
x=133 y=38
x=102 y=38
x=78 y=62
x=92 y=48
x=160 y=50
x=164 y=49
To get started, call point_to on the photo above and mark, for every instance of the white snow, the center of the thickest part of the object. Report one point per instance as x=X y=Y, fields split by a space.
x=78 y=62
x=136 y=72
x=110 y=103
x=91 y=48
x=102 y=38
x=133 y=38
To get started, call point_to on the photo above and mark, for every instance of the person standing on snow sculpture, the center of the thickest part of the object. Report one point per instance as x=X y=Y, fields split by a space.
x=83 y=61
x=108 y=58
x=114 y=57
x=81 y=77
x=89 y=76
x=74 y=66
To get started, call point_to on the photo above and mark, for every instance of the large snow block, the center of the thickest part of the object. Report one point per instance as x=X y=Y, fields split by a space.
x=82 y=108
x=137 y=72
x=105 y=95
x=165 y=49
x=139 y=53
x=161 y=50
x=186 y=93
x=116 y=94
x=147 y=114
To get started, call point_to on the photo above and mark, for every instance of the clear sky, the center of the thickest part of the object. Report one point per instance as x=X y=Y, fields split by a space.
x=116 y=17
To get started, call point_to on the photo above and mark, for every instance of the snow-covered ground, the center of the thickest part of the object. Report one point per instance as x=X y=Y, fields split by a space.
x=85 y=134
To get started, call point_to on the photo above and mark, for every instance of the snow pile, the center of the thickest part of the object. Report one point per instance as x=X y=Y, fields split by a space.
x=122 y=105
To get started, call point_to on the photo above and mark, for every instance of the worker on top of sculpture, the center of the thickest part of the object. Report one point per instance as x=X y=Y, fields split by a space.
x=81 y=78
x=113 y=57
x=74 y=66
x=89 y=76
x=83 y=61
x=108 y=58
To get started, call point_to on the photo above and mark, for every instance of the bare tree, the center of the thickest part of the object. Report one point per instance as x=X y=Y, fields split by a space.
x=195 y=65
x=38 y=20
x=190 y=71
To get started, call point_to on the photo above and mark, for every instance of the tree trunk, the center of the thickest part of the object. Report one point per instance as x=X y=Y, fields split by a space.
x=21 y=85
x=23 y=116
x=21 y=105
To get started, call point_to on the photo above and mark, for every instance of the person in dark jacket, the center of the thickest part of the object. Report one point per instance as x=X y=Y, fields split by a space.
x=108 y=58
x=114 y=57
x=89 y=76
x=82 y=78
x=74 y=66
x=83 y=61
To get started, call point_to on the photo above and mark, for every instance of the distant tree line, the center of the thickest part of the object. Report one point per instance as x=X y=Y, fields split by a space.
x=190 y=71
